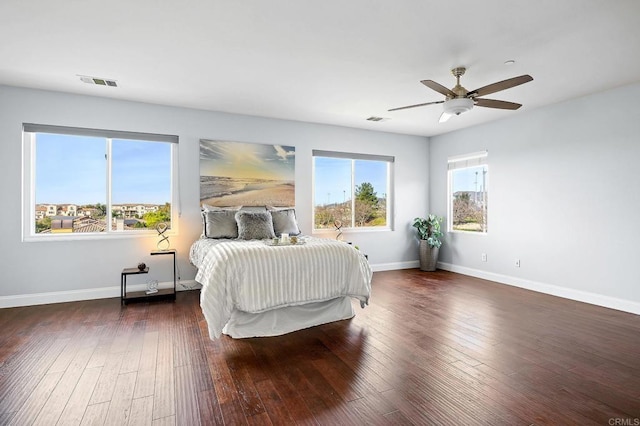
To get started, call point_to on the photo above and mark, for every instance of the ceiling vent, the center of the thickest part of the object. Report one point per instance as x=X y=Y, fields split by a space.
x=373 y=118
x=98 y=81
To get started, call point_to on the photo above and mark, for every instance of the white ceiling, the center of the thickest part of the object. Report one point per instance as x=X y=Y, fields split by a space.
x=335 y=62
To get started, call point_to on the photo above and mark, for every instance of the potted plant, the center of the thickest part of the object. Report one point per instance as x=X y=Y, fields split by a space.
x=429 y=233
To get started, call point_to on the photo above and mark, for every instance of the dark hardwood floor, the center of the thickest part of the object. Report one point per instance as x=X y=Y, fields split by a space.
x=432 y=348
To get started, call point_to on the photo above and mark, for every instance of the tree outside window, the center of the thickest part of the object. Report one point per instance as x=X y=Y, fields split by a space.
x=468 y=194
x=351 y=192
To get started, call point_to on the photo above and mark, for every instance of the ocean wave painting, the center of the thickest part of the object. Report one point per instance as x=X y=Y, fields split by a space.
x=247 y=174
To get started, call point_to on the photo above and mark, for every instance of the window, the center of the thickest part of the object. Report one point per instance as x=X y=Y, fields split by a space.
x=468 y=177
x=352 y=190
x=81 y=182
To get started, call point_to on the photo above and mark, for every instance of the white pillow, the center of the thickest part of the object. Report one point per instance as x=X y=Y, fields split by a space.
x=209 y=208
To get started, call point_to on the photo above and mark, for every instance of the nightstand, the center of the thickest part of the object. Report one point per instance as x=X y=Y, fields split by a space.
x=142 y=296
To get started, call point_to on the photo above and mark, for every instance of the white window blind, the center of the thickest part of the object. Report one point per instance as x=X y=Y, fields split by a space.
x=353 y=156
x=99 y=133
x=467 y=160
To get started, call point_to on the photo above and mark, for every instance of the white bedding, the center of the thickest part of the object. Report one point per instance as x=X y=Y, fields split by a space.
x=252 y=277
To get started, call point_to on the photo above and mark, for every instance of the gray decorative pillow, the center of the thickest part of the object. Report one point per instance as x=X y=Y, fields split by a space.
x=220 y=224
x=254 y=225
x=284 y=221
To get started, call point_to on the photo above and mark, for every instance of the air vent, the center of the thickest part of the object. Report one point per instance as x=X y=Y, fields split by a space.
x=98 y=81
x=373 y=118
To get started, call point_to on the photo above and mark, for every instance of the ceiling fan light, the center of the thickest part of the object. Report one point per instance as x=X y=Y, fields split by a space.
x=457 y=106
x=444 y=117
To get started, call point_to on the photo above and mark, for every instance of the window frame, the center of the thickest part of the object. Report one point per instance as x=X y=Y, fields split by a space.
x=467 y=161
x=28 y=215
x=353 y=157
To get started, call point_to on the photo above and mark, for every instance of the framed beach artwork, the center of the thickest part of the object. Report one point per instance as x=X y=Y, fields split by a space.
x=246 y=174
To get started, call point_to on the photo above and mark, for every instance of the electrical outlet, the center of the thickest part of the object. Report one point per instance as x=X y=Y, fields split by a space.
x=517 y=263
x=484 y=257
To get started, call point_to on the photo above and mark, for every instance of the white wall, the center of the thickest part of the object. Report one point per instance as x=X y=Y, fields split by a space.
x=38 y=272
x=564 y=198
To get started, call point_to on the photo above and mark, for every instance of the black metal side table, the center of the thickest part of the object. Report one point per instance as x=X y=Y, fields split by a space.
x=143 y=296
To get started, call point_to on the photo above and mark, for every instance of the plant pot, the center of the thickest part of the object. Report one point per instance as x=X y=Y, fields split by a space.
x=428 y=256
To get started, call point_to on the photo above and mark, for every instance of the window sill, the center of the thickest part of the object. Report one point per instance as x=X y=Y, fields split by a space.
x=350 y=231
x=93 y=236
x=466 y=232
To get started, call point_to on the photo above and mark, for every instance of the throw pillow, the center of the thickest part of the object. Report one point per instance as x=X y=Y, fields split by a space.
x=284 y=221
x=254 y=225
x=220 y=224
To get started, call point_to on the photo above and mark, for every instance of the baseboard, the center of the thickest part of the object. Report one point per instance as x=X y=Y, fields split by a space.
x=554 y=290
x=84 y=294
x=378 y=267
x=114 y=291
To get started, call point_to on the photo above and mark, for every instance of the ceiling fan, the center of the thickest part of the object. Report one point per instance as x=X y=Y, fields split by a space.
x=459 y=99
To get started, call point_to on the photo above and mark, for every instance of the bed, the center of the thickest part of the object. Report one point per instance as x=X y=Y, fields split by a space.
x=251 y=288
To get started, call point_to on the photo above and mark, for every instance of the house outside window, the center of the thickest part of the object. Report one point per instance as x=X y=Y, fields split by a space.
x=81 y=183
x=351 y=190
x=468 y=193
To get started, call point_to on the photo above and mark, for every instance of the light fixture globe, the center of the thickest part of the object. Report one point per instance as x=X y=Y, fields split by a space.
x=457 y=106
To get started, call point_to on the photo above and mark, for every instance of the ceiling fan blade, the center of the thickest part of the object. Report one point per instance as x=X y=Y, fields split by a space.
x=444 y=117
x=492 y=103
x=414 y=106
x=501 y=85
x=438 y=88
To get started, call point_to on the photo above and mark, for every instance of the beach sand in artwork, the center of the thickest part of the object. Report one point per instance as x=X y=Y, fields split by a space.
x=280 y=195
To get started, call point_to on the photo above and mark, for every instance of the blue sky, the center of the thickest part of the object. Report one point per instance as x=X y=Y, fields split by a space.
x=333 y=178
x=465 y=179
x=72 y=169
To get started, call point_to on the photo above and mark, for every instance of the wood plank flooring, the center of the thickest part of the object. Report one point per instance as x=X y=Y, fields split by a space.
x=432 y=348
